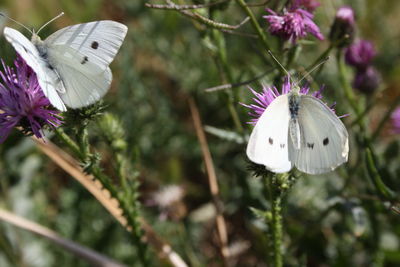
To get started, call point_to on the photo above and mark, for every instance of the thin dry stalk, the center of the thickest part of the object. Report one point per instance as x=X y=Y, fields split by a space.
x=71 y=166
x=80 y=251
x=184 y=7
x=204 y=20
x=212 y=180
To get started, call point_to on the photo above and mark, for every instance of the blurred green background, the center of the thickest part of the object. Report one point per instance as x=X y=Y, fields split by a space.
x=166 y=57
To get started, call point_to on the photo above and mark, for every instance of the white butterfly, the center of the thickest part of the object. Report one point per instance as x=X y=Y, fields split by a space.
x=298 y=130
x=72 y=64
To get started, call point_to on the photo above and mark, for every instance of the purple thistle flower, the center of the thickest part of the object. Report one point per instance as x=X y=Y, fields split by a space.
x=396 y=121
x=345 y=14
x=22 y=102
x=292 y=25
x=309 y=5
x=360 y=54
x=268 y=94
x=366 y=80
x=342 y=30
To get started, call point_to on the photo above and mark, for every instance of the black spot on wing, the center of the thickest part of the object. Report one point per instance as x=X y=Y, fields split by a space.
x=84 y=60
x=325 y=141
x=94 y=45
x=271 y=141
x=310 y=145
x=282 y=145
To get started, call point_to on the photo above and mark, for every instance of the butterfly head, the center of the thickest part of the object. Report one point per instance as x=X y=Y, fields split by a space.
x=295 y=89
x=35 y=39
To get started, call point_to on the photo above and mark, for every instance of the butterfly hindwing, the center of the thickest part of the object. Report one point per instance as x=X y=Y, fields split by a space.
x=83 y=89
x=268 y=143
x=47 y=78
x=324 y=138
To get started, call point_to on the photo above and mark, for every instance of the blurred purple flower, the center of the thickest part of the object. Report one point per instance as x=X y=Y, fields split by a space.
x=342 y=30
x=292 y=25
x=396 y=120
x=345 y=14
x=366 y=80
x=309 y=5
x=360 y=54
x=22 y=102
x=268 y=94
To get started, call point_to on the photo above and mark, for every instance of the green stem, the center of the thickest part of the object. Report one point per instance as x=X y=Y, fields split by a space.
x=277 y=230
x=83 y=142
x=69 y=142
x=131 y=213
x=348 y=91
x=383 y=190
x=129 y=205
x=231 y=98
x=276 y=224
x=255 y=24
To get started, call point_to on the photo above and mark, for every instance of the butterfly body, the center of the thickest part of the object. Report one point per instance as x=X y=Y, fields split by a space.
x=72 y=64
x=294 y=127
x=298 y=130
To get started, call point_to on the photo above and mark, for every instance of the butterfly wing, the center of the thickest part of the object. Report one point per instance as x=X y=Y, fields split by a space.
x=268 y=143
x=83 y=89
x=91 y=47
x=48 y=79
x=324 y=138
x=81 y=54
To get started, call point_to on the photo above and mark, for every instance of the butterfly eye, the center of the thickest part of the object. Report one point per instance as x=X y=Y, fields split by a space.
x=94 y=45
x=310 y=145
x=271 y=141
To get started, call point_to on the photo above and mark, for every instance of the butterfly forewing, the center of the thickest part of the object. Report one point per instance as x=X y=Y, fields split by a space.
x=87 y=45
x=268 y=143
x=324 y=138
x=47 y=78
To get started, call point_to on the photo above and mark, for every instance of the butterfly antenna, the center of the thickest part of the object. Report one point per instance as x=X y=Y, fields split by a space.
x=19 y=23
x=47 y=23
x=309 y=72
x=280 y=65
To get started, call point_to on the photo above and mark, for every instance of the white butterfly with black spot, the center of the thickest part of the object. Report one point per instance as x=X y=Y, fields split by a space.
x=72 y=64
x=298 y=130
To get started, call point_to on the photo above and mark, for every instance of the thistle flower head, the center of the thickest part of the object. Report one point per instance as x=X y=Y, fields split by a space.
x=396 y=121
x=366 y=80
x=268 y=94
x=22 y=102
x=360 y=54
x=342 y=30
x=345 y=14
x=293 y=24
